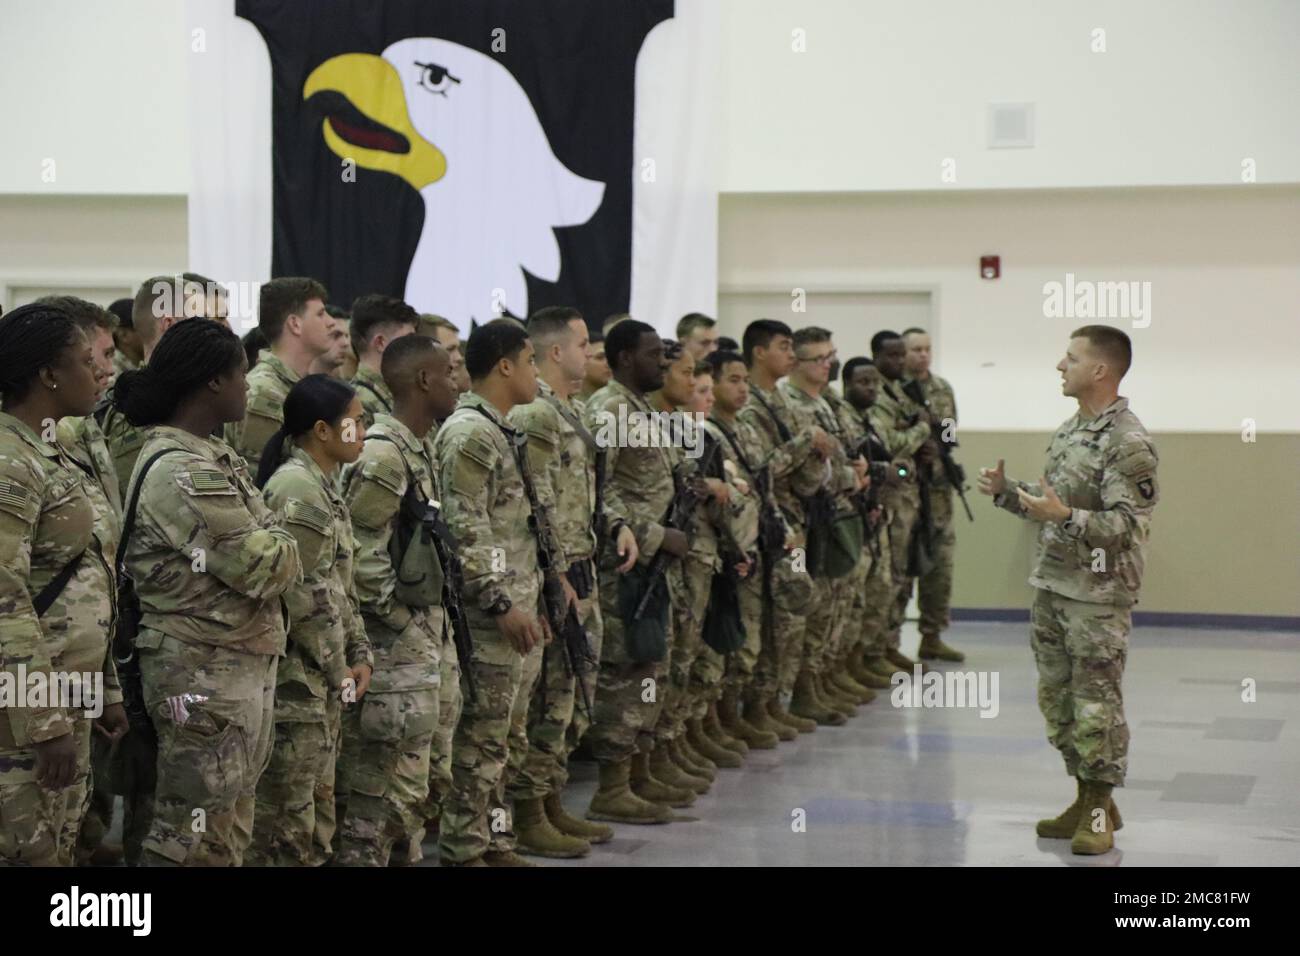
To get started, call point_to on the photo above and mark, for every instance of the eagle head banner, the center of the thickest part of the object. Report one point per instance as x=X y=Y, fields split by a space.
x=474 y=157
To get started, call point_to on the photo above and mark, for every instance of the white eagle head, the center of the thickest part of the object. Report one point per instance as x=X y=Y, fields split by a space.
x=457 y=126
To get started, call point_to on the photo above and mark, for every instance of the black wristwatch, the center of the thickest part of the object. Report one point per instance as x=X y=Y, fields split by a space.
x=498 y=607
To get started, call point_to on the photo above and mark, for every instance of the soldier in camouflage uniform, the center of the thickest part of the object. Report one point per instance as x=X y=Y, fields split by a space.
x=383 y=770
x=562 y=458
x=934 y=588
x=639 y=487
x=904 y=427
x=1094 y=507
x=805 y=390
x=794 y=450
x=329 y=658
x=875 y=598
x=291 y=314
x=377 y=320
x=488 y=512
x=128 y=353
x=57 y=541
x=209 y=564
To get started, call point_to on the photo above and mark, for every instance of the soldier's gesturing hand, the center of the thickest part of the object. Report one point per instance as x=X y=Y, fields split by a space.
x=1049 y=507
x=360 y=674
x=520 y=629
x=627 y=549
x=56 y=762
x=993 y=481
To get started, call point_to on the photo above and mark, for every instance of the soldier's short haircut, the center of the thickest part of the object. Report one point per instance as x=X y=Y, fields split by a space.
x=914 y=330
x=548 y=325
x=811 y=335
x=727 y=344
x=624 y=337
x=719 y=360
x=400 y=359
x=691 y=321
x=852 y=365
x=254 y=341
x=283 y=297
x=1110 y=343
x=703 y=368
x=154 y=300
x=673 y=350
x=338 y=312
x=87 y=315
x=122 y=309
x=33 y=337
x=205 y=284
x=759 y=335
x=490 y=343
x=597 y=337
x=612 y=321
x=371 y=313
x=880 y=338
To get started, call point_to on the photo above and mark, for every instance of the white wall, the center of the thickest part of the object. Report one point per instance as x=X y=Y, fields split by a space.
x=886 y=90
x=1223 y=263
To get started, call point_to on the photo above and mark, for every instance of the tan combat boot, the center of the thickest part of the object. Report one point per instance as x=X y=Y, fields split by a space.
x=933 y=649
x=718 y=733
x=904 y=663
x=675 y=757
x=780 y=715
x=614 y=799
x=1063 y=827
x=735 y=724
x=505 y=858
x=756 y=717
x=833 y=698
x=720 y=755
x=684 y=752
x=572 y=826
x=864 y=675
x=657 y=777
x=536 y=835
x=806 y=703
x=850 y=689
x=762 y=721
x=1096 y=830
x=880 y=665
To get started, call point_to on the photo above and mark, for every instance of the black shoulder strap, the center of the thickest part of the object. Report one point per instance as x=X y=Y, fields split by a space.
x=128 y=522
x=567 y=414
x=735 y=446
x=43 y=601
x=375 y=392
x=781 y=428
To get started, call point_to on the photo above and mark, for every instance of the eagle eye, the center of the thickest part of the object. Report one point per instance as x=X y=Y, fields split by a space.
x=435 y=78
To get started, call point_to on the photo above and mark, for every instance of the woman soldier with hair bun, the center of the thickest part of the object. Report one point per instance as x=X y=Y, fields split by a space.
x=209 y=564
x=329 y=660
x=56 y=581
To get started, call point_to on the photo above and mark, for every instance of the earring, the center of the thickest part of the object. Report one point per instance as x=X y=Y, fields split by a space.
x=54 y=385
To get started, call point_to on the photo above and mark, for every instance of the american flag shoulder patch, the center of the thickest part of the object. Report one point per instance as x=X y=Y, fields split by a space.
x=209 y=481
x=308 y=515
x=14 y=498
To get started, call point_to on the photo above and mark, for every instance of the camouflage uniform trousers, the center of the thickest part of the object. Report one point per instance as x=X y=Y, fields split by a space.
x=793 y=594
x=1080 y=649
x=682 y=696
x=748 y=669
x=934 y=590
x=99 y=811
x=849 y=631
x=450 y=704
x=294 y=822
x=383 y=768
x=873 y=602
x=833 y=597
x=902 y=505
x=556 y=723
x=39 y=827
x=211 y=752
x=490 y=738
x=629 y=694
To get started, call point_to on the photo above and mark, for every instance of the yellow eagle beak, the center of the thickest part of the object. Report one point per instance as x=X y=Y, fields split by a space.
x=367 y=120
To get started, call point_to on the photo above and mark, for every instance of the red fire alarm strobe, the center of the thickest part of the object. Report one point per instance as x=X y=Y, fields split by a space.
x=990 y=267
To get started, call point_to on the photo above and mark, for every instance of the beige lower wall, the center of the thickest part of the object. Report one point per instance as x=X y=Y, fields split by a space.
x=1224 y=536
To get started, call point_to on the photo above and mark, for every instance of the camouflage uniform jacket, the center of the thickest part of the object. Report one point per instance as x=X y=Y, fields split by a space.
x=486 y=507
x=84 y=441
x=47 y=519
x=843 y=479
x=326 y=635
x=208 y=559
x=1104 y=468
x=796 y=471
x=943 y=409
x=889 y=416
x=373 y=392
x=269 y=382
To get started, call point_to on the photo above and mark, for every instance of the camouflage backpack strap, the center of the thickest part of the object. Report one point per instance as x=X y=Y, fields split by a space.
x=128 y=519
x=598 y=519
x=781 y=428
x=43 y=601
x=375 y=392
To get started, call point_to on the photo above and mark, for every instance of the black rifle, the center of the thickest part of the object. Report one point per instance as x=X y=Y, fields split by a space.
x=687 y=497
x=952 y=469
x=560 y=614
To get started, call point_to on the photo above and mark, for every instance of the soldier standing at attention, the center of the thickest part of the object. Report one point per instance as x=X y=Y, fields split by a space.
x=904 y=427
x=383 y=771
x=377 y=322
x=794 y=452
x=445 y=333
x=480 y=466
x=328 y=659
x=56 y=581
x=209 y=564
x=159 y=304
x=126 y=341
x=639 y=487
x=562 y=457
x=596 y=374
x=291 y=314
x=1094 y=508
x=934 y=588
